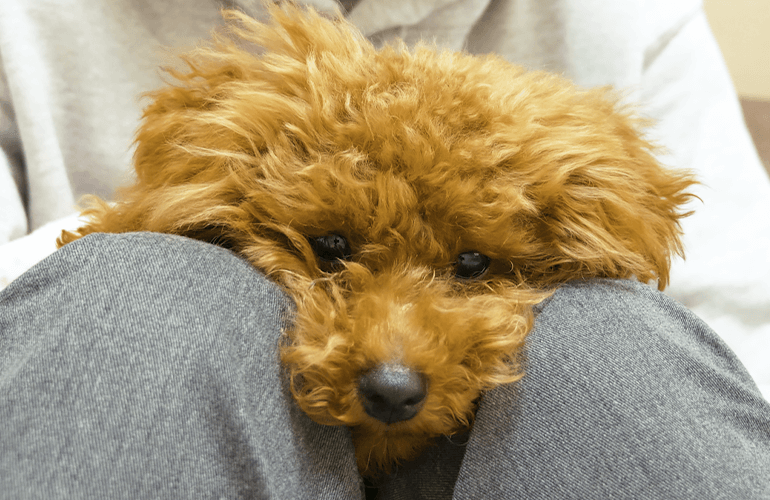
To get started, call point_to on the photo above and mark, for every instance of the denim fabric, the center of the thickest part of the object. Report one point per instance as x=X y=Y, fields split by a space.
x=145 y=366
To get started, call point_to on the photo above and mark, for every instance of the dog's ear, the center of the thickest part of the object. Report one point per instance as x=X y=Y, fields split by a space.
x=605 y=206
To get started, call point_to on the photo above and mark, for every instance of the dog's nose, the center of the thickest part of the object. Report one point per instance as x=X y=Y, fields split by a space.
x=392 y=392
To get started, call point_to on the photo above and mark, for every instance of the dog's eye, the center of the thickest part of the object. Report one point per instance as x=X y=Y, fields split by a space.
x=471 y=265
x=331 y=247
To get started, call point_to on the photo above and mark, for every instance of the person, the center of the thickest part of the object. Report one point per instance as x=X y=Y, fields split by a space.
x=144 y=365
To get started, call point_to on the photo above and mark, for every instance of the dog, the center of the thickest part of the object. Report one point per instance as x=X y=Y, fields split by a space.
x=415 y=204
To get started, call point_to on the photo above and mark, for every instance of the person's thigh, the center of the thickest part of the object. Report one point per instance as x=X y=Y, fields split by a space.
x=626 y=395
x=146 y=366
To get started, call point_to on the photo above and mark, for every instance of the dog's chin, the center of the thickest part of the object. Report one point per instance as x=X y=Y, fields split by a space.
x=380 y=447
x=378 y=451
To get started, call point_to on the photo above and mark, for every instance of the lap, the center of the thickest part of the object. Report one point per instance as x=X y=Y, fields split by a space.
x=146 y=365
x=626 y=395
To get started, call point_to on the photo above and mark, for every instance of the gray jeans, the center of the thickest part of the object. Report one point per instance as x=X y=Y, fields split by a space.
x=145 y=366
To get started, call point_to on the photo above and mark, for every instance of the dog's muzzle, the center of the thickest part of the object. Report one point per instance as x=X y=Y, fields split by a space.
x=392 y=392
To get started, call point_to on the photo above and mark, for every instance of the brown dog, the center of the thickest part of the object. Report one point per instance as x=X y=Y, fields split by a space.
x=415 y=205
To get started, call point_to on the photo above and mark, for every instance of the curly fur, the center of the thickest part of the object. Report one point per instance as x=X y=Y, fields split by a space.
x=414 y=156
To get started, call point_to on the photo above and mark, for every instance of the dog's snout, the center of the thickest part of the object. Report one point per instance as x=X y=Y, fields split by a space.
x=392 y=392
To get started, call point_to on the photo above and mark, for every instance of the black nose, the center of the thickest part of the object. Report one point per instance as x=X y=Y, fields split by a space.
x=392 y=392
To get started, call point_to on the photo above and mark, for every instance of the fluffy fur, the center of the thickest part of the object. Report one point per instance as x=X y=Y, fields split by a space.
x=414 y=156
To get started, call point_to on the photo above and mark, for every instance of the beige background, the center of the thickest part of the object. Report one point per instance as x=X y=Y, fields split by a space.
x=742 y=28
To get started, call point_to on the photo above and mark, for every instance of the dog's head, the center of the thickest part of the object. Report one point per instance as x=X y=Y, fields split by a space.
x=415 y=204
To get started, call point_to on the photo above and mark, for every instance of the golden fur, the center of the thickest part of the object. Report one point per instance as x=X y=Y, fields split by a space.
x=414 y=156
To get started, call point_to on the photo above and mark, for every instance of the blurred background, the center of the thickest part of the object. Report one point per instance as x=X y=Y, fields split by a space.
x=742 y=28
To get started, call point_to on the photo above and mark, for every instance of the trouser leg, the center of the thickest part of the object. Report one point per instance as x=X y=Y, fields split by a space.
x=627 y=395
x=146 y=366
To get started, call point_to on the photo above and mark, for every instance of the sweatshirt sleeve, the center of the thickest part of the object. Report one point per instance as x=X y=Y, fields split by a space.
x=13 y=218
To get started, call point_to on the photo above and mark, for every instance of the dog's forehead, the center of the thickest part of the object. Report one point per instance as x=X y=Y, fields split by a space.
x=419 y=144
x=425 y=198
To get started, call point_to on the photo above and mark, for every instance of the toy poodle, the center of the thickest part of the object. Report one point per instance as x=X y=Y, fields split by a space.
x=415 y=204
